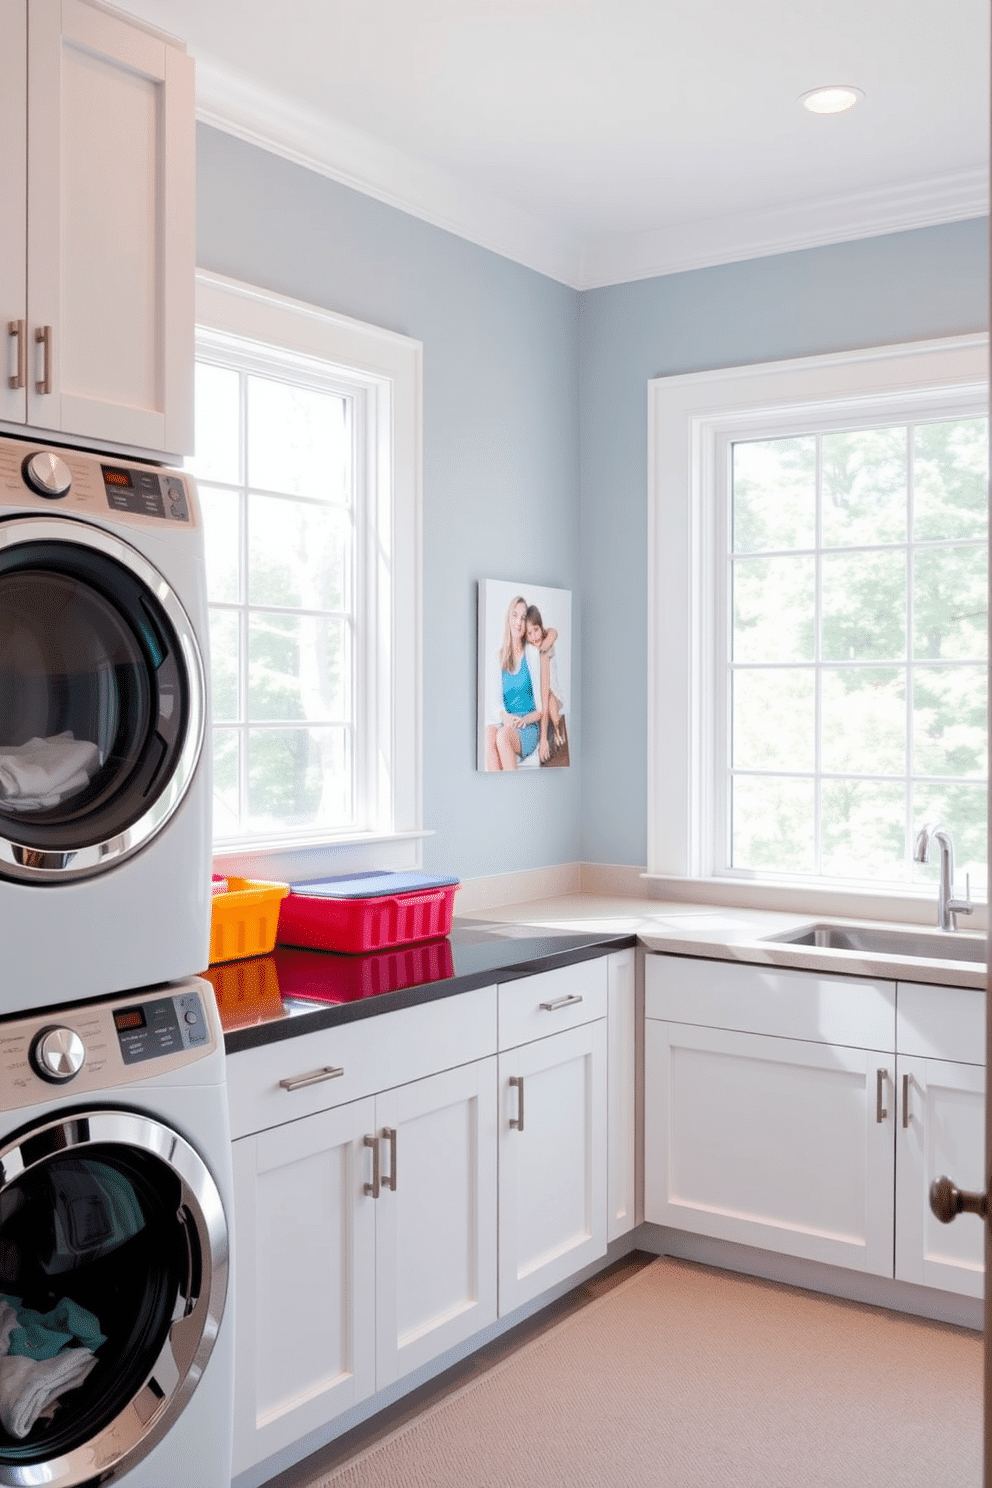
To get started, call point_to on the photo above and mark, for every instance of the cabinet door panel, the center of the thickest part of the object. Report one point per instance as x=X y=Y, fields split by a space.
x=770 y=1142
x=436 y=1232
x=110 y=242
x=13 y=196
x=944 y=1134
x=305 y=1278
x=552 y=1177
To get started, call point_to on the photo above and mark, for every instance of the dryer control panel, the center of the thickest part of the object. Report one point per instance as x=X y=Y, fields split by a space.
x=90 y=1048
x=42 y=477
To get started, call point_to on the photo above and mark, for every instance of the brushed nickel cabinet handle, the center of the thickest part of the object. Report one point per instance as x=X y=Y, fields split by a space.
x=43 y=336
x=518 y=1120
x=314 y=1077
x=389 y=1132
x=372 y=1189
x=560 y=1002
x=16 y=328
x=905 y=1102
x=880 y=1111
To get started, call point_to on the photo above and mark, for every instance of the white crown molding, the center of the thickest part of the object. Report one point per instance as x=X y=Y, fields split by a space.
x=840 y=219
x=229 y=102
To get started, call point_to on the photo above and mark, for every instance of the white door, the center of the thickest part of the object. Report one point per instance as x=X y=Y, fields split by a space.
x=304 y=1277
x=552 y=1161
x=13 y=203
x=435 y=1216
x=941 y=1130
x=771 y=1142
x=111 y=210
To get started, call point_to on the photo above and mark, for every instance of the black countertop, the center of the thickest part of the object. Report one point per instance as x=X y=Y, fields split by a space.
x=268 y=998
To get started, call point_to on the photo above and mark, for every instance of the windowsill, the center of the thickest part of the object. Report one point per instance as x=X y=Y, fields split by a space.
x=290 y=859
x=913 y=906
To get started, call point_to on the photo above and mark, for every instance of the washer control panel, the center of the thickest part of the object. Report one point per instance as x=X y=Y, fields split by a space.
x=147 y=1030
x=97 y=1045
x=90 y=485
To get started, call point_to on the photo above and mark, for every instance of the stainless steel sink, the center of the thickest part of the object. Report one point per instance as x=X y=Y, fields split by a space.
x=930 y=945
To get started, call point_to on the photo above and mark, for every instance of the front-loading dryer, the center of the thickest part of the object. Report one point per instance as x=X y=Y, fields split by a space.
x=104 y=777
x=116 y=1197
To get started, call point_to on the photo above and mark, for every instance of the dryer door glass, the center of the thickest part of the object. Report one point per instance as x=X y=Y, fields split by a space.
x=100 y=702
x=113 y=1272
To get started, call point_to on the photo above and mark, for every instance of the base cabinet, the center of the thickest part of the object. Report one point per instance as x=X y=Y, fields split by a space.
x=366 y=1247
x=772 y=1142
x=811 y=1148
x=552 y=1161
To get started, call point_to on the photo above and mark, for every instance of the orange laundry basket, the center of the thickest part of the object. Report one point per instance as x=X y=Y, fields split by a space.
x=243 y=921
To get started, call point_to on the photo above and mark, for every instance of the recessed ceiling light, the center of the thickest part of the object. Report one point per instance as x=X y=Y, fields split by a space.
x=832 y=100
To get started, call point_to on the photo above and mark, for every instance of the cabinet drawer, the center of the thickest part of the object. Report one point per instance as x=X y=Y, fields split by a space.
x=373 y=1054
x=941 y=1022
x=857 y=1011
x=536 y=1006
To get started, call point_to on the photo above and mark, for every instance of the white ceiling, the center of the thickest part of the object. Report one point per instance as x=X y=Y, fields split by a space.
x=606 y=140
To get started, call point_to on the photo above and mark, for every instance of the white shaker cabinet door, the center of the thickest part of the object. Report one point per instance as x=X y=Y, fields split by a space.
x=435 y=1216
x=771 y=1142
x=552 y=1161
x=110 y=229
x=941 y=1131
x=304 y=1277
x=13 y=204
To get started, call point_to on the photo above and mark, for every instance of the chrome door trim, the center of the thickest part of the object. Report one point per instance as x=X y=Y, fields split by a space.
x=177 y=1370
x=17 y=860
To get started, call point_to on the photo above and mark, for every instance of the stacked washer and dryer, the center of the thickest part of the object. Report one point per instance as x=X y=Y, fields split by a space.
x=116 y=1360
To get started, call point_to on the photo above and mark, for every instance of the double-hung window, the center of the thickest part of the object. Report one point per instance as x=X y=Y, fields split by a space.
x=835 y=521
x=306 y=466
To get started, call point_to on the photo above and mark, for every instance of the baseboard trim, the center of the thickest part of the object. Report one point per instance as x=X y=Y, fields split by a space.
x=814 y=1276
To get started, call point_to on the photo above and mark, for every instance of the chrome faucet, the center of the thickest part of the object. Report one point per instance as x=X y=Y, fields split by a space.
x=947 y=906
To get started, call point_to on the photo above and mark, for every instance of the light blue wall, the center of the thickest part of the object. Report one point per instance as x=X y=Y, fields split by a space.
x=527 y=384
x=929 y=282
x=501 y=479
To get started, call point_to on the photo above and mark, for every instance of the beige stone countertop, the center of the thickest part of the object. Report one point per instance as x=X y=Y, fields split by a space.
x=732 y=934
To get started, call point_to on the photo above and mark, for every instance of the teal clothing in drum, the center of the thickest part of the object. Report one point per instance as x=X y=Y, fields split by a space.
x=518 y=701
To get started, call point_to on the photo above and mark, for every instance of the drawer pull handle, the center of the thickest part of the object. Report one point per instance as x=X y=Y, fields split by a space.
x=16 y=329
x=315 y=1077
x=905 y=1102
x=389 y=1132
x=518 y=1120
x=880 y=1111
x=560 y=1002
x=372 y=1189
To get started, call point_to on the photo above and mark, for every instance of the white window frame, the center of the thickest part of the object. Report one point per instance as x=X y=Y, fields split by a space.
x=693 y=420
x=387 y=367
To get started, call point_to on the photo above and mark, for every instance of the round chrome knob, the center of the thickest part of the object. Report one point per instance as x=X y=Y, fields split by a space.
x=58 y=1054
x=48 y=475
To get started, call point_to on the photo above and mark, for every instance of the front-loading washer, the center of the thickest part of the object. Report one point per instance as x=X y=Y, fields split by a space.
x=104 y=773
x=115 y=1206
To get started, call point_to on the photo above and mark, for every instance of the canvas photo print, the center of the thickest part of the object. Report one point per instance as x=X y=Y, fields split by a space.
x=525 y=662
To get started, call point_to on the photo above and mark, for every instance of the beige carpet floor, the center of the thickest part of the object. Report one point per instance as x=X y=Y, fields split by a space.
x=686 y=1377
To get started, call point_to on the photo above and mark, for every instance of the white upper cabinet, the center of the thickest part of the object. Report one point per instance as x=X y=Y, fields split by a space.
x=99 y=184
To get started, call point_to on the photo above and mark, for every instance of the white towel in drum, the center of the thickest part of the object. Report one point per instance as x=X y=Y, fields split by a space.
x=43 y=771
x=29 y=1386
